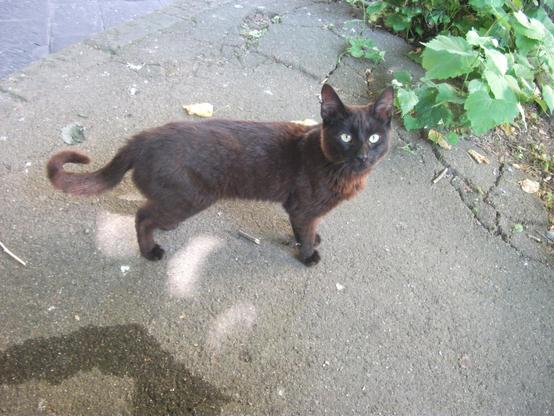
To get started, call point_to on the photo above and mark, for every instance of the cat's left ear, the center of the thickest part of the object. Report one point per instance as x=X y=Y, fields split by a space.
x=382 y=109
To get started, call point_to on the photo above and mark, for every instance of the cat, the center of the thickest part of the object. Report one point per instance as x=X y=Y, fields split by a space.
x=184 y=167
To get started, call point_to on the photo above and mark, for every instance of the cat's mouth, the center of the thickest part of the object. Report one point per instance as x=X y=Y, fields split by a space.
x=360 y=164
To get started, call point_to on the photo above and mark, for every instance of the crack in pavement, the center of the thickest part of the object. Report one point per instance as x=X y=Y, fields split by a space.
x=497 y=230
x=288 y=65
x=101 y=47
x=14 y=95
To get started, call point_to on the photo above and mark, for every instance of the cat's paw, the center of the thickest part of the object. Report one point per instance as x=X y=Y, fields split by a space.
x=156 y=253
x=312 y=260
x=317 y=241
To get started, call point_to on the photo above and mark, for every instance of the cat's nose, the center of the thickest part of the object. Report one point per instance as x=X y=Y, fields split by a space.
x=362 y=158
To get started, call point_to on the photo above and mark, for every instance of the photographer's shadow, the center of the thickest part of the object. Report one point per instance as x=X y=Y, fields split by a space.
x=162 y=385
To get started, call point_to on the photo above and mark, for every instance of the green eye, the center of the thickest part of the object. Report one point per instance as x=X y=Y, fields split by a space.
x=345 y=137
x=374 y=138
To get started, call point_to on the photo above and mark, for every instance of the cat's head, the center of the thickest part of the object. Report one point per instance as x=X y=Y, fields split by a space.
x=358 y=136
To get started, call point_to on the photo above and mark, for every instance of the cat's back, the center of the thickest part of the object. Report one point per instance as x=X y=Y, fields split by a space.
x=232 y=135
x=245 y=159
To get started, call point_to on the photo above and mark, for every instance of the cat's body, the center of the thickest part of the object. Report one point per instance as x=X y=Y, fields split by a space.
x=184 y=167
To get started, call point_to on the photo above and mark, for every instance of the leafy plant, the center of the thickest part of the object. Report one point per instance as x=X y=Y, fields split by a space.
x=364 y=48
x=483 y=60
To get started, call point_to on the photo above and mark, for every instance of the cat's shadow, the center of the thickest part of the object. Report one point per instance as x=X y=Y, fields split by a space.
x=162 y=384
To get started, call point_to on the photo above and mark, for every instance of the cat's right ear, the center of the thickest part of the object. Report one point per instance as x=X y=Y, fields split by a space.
x=331 y=105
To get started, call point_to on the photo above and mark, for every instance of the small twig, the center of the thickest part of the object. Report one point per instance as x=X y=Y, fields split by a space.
x=9 y=253
x=546 y=238
x=249 y=237
x=440 y=176
x=532 y=237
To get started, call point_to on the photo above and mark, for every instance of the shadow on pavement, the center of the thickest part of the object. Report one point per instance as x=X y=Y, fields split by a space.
x=162 y=385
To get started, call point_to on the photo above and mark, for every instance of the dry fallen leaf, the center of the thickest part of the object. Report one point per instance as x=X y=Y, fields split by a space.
x=529 y=186
x=438 y=138
x=507 y=129
x=200 y=109
x=306 y=122
x=478 y=157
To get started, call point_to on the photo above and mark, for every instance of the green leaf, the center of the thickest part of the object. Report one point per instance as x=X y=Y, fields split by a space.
x=356 y=52
x=412 y=123
x=548 y=96
x=531 y=28
x=374 y=55
x=484 y=112
x=407 y=99
x=404 y=77
x=499 y=85
x=486 y=4
x=448 y=57
x=473 y=38
x=524 y=44
x=361 y=47
x=514 y=85
x=517 y=228
x=428 y=113
x=398 y=22
x=540 y=103
x=541 y=15
x=452 y=138
x=376 y=8
x=447 y=93
x=497 y=60
x=521 y=71
x=476 y=85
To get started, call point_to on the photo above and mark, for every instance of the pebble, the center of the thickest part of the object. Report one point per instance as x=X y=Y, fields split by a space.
x=464 y=361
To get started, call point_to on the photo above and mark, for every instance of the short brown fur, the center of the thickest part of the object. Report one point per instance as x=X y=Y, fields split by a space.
x=184 y=167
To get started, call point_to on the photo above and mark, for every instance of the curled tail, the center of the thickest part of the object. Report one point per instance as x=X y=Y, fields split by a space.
x=87 y=183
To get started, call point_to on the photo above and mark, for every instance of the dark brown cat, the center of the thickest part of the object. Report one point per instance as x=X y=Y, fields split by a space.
x=184 y=167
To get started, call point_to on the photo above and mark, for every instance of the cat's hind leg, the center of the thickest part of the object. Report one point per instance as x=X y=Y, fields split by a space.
x=145 y=223
x=153 y=215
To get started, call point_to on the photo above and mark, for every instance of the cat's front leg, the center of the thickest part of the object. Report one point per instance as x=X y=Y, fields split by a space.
x=317 y=240
x=305 y=233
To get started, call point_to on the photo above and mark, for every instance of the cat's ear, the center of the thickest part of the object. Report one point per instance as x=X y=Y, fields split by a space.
x=331 y=105
x=382 y=109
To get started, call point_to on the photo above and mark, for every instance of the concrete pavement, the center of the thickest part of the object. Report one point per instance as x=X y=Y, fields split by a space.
x=425 y=301
x=32 y=29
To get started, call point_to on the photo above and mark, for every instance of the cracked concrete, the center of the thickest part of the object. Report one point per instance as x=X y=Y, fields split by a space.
x=494 y=196
x=418 y=306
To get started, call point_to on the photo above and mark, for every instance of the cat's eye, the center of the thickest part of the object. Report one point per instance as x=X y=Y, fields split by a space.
x=374 y=138
x=346 y=138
